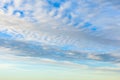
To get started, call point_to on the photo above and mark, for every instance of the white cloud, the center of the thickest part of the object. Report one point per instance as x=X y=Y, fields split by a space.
x=54 y=28
x=48 y=35
x=115 y=69
x=94 y=57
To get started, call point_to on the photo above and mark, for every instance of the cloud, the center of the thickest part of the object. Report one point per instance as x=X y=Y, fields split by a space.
x=60 y=30
x=114 y=69
x=110 y=57
x=36 y=50
x=51 y=36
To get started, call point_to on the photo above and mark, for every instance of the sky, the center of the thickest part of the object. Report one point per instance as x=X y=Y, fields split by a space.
x=59 y=40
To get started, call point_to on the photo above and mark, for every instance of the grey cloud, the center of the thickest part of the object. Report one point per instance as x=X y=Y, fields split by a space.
x=110 y=57
x=34 y=49
x=37 y=50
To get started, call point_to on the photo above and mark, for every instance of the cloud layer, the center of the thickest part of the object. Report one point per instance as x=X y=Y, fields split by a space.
x=61 y=30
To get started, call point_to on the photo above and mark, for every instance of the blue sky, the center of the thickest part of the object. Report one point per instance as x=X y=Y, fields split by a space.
x=56 y=36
